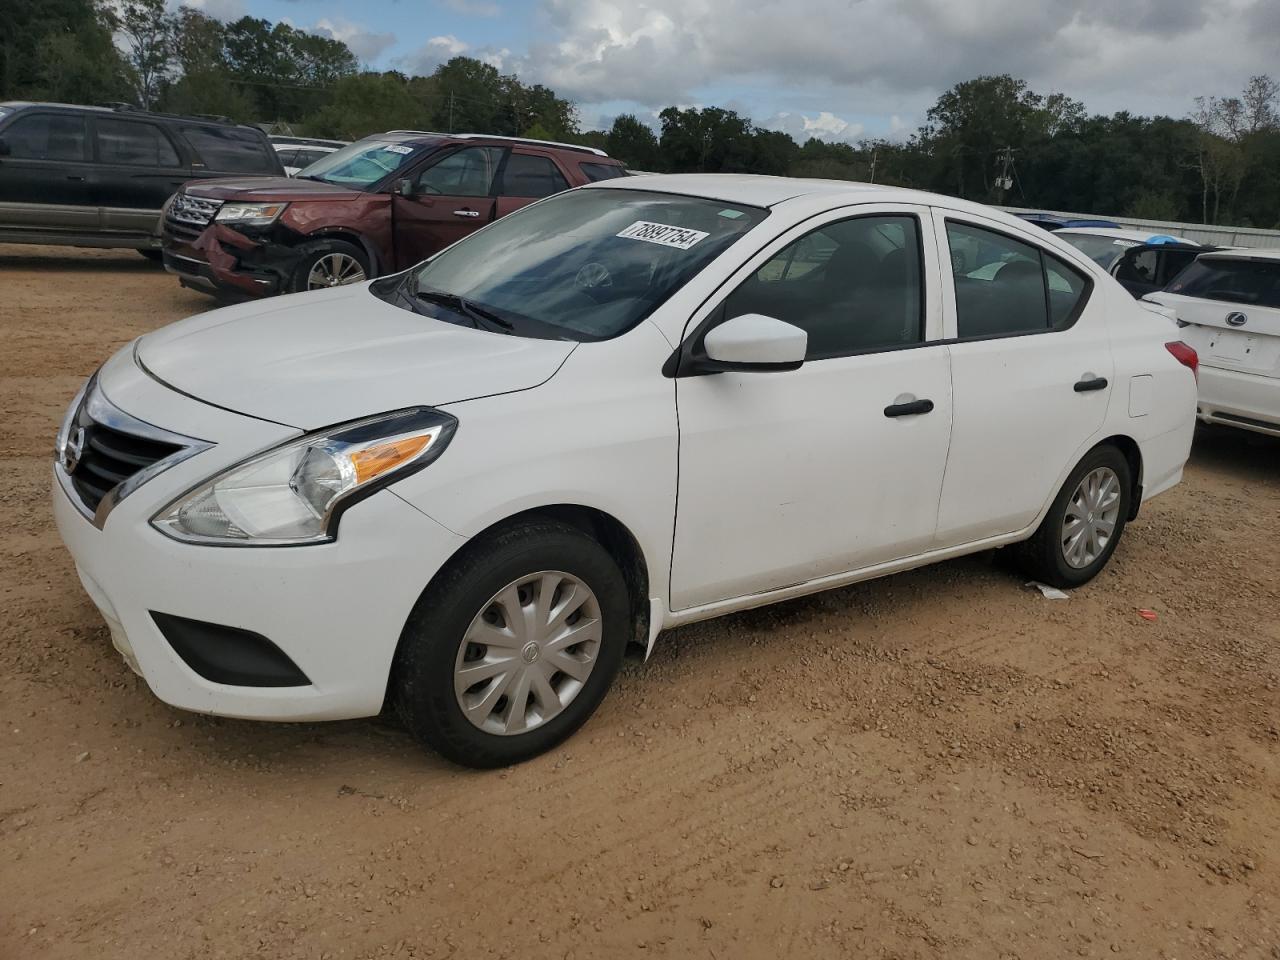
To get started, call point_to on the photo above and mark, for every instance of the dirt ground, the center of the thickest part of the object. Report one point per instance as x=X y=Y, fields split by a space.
x=941 y=764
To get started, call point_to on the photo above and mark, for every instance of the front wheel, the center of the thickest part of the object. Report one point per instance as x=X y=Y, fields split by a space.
x=513 y=646
x=330 y=263
x=1085 y=522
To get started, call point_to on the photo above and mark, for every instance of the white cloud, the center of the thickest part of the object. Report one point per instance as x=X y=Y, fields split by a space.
x=824 y=126
x=366 y=44
x=225 y=10
x=880 y=58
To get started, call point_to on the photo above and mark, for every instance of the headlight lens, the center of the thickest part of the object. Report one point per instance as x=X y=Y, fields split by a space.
x=255 y=214
x=295 y=493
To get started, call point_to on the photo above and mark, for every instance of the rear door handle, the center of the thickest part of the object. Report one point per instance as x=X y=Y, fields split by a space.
x=1091 y=383
x=466 y=213
x=910 y=409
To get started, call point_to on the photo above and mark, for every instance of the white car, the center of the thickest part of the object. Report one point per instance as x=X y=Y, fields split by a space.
x=1104 y=245
x=298 y=153
x=468 y=487
x=1228 y=306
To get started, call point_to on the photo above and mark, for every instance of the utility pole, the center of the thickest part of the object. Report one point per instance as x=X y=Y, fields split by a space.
x=874 y=154
x=1005 y=182
x=451 y=111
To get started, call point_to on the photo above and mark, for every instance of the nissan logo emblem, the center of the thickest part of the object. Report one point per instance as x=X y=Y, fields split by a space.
x=1236 y=319
x=72 y=450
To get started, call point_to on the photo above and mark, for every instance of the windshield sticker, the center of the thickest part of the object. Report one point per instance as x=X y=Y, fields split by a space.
x=682 y=238
x=731 y=214
x=398 y=148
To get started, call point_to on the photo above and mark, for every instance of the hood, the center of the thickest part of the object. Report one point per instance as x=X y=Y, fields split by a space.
x=266 y=189
x=313 y=359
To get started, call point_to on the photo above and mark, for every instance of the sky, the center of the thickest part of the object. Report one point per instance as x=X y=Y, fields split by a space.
x=837 y=69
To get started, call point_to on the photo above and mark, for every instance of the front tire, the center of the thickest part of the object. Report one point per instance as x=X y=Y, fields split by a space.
x=330 y=263
x=1085 y=522
x=513 y=646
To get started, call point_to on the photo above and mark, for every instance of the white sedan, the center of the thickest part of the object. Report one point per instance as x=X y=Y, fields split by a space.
x=1228 y=306
x=468 y=487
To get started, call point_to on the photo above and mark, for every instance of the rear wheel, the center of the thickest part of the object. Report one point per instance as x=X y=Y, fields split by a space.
x=155 y=256
x=1084 y=523
x=513 y=646
x=330 y=263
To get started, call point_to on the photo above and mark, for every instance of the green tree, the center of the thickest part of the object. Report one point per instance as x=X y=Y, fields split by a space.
x=59 y=50
x=368 y=103
x=634 y=144
x=150 y=35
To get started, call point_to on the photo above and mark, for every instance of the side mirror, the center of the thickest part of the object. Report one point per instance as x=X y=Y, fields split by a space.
x=755 y=342
x=404 y=187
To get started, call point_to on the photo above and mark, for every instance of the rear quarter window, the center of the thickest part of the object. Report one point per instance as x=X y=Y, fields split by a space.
x=601 y=171
x=231 y=149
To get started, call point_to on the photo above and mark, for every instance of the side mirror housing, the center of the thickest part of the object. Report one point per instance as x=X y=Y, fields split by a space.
x=404 y=187
x=754 y=342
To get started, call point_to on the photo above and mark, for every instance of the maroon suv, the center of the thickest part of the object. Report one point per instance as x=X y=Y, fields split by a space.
x=375 y=207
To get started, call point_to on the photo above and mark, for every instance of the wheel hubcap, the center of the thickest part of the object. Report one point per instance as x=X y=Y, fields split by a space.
x=528 y=653
x=334 y=270
x=1091 y=517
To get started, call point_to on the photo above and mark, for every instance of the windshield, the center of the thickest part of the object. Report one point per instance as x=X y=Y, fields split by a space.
x=585 y=265
x=361 y=164
x=1254 y=282
x=1103 y=251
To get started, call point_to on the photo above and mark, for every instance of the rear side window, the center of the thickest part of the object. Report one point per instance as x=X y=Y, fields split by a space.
x=134 y=144
x=1142 y=267
x=853 y=286
x=1255 y=282
x=230 y=149
x=1005 y=287
x=46 y=136
x=601 y=171
x=531 y=176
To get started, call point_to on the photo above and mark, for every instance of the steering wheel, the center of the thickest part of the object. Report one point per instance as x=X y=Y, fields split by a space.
x=593 y=278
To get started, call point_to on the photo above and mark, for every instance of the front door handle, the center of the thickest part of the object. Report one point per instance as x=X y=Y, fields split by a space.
x=911 y=408
x=466 y=213
x=1088 y=384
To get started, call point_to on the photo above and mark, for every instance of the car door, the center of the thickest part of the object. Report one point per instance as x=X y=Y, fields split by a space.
x=45 y=174
x=448 y=198
x=1031 y=372
x=138 y=168
x=528 y=176
x=787 y=477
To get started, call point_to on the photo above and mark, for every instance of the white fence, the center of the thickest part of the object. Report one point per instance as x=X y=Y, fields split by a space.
x=1200 y=232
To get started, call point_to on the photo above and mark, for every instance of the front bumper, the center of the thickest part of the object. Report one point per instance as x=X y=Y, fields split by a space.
x=1245 y=400
x=223 y=261
x=336 y=610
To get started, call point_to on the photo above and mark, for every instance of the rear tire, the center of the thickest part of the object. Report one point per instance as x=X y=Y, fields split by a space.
x=330 y=263
x=1084 y=524
x=155 y=256
x=441 y=647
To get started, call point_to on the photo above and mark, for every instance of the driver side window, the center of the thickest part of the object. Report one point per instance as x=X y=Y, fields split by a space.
x=853 y=286
x=465 y=173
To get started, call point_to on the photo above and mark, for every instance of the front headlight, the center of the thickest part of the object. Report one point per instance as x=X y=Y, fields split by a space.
x=254 y=214
x=295 y=493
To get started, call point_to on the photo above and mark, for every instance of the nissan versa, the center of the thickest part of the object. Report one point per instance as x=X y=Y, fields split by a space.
x=467 y=487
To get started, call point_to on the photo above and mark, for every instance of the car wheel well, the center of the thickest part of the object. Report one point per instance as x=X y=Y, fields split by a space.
x=1129 y=447
x=352 y=238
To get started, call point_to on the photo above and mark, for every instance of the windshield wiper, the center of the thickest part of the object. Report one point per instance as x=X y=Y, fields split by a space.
x=472 y=311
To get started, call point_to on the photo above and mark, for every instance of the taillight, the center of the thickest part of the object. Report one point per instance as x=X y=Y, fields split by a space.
x=1185 y=355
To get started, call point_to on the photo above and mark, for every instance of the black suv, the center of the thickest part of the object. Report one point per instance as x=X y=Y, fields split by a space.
x=99 y=176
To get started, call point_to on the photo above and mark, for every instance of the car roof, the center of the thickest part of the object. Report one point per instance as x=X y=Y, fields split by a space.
x=1142 y=236
x=126 y=111
x=1245 y=253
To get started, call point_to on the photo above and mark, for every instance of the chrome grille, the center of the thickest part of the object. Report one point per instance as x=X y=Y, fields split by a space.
x=196 y=211
x=107 y=454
